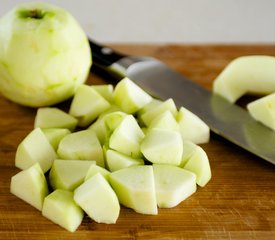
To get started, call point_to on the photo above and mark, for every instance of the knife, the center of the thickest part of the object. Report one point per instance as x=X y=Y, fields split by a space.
x=224 y=118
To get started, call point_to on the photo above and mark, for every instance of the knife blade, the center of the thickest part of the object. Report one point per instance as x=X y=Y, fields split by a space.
x=224 y=118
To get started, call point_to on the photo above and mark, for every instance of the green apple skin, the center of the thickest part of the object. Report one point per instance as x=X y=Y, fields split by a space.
x=51 y=117
x=87 y=105
x=135 y=188
x=129 y=96
x=55 y=135
x=247 y=74
x=44 y=55
x=263 y=110
x=30 y=185
x=199 y=164
x=116 y=160
x=68 y=174
x=81 y=145
x=35 y=147
x=127 y=137
x=162 y=146
x=60 y=208
x=173 y=184
x=97 y=198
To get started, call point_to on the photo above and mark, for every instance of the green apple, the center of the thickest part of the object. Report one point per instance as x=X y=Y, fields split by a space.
x=105 y=90
x=116 y=160
x=94 y=169
x=44 y=54
x=199 y=164
x=30 y=185
x=81 y=145
x=34 y=148
x=162 y=146
x=188 y=150
x=96 y=197
x=263 y=110
x=173 y=184
x=51 y=117
x=192 y=127
x=247 y=74
x=68 y=174
x=135 y=188
x=127 y=137
x=54 y=135
x=165 y=120
x=87 y=105
x=151 y=113
x=129 y=96
x=60 y=208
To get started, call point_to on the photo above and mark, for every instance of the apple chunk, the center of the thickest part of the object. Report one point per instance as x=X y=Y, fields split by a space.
x=173 y=184
x=35 y=148
x=96 y=197
x=68 y=174
x=81 y=145
x=30 y=185
x=54 y=118
x=162 y=146
x=94 y=169
x=60 y=207
x=54 y=135
x=135 y=188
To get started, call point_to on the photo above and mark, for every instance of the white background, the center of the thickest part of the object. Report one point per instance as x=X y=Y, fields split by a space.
x=171 y=21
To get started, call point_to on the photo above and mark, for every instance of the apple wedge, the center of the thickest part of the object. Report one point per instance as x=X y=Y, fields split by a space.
x=198 y=163
x=81 y=145
x=68 y=174
x=129 y=96
x=135 y=188
x=96 y=197
x=60 y=208
x=263 y=110
x=247 y=74
x=173 y=184
x=192 y=127
x=54 y=135
x=105 y=90
x=51 y=117
x=162 y=146
x=87 y=105
x=34 y=148
x=189 y=149
x=30 y=185
x=94 y=169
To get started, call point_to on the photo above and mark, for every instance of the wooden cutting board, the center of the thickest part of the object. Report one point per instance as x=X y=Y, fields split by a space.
x=238 y=202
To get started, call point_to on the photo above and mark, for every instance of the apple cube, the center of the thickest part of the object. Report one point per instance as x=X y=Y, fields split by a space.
x=105 y=90
x=94 y=169
x=60 y=208
x=127 y=137
x=116 y=160
x=263 y=110
x=199 y=164
x=68 y=174
x=168 y=105
x=162 y=146
x=192 y=127
x=135 y=188
x=129 y=96
x=81 y=145
x=50 y=117
x=30 y=185
x=54 y=135
x=189 y=149
x=87 y=105
x=96 y=197
x=35 y=147
x=165 y=120
x=173 y=185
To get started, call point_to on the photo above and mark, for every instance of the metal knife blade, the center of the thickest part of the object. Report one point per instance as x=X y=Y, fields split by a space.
x=224 y=118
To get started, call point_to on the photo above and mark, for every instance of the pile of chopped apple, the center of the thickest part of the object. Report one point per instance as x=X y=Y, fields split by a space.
x=114 y=146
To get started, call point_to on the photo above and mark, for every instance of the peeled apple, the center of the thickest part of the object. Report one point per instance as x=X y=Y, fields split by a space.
x=44 y=55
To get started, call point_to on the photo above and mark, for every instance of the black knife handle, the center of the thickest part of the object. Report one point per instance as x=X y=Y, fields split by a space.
x=103 y=56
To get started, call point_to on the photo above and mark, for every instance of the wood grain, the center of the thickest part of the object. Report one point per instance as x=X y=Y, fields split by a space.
x=238 y=203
